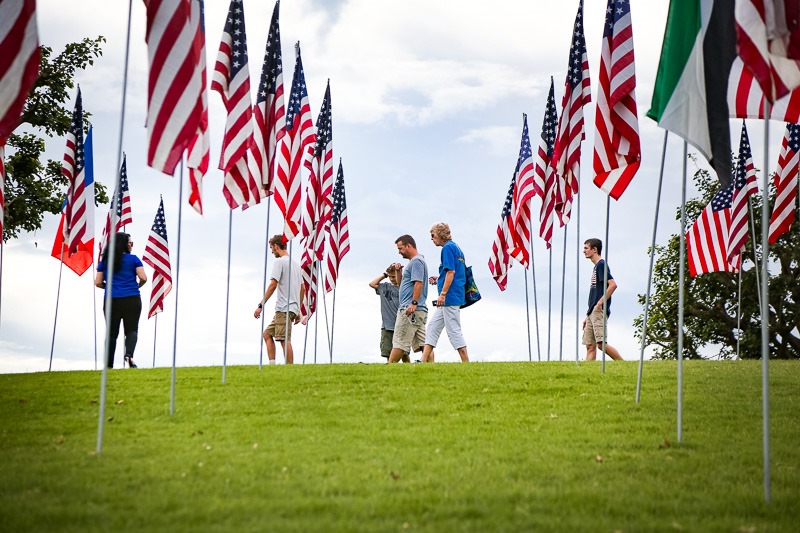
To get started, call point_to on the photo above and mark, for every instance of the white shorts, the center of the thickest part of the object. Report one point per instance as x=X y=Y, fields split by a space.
x=449 y=319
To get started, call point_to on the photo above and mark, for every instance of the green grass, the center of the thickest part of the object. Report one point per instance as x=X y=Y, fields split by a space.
x=445 y=447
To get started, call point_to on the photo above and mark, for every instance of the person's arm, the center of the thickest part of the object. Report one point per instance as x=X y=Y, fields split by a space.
x=99 y=282
x=375 y=282
x=142 y=275
x=302 y=296
x=415 y=295
x=273 y=284
x=448 y=279
x=612 y=286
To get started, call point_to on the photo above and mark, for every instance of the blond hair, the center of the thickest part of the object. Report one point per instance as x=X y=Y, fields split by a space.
x=441 y=230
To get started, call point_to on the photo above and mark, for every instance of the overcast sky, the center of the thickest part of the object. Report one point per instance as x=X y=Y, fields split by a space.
x=427 y=100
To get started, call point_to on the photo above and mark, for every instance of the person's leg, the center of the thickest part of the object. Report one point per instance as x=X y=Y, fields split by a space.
x=288 y=353
x=610 y=351
x=590 y=336
x=452 y=324
x=113 y=332
x=386 y=343
x=131 y=311
x=401 y=339
x=434 y=330
x=270 y=342
x=591 y=352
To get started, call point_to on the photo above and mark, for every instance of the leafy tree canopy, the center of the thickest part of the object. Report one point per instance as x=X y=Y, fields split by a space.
x=34 y=187
x=712 y=300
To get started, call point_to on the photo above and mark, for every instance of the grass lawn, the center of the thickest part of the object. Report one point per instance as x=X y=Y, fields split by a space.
x=444 y=447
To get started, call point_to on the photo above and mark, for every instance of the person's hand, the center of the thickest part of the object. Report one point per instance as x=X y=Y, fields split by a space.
x=409 y=310
x=257 y=313
x=584 y=324
x=433 y=280
x=297 y=320
x=599 y=306
x=440 y=300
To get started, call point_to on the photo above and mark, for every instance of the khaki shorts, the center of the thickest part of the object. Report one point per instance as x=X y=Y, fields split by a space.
x=409 y=331
x=277 y=328
x=593 y=332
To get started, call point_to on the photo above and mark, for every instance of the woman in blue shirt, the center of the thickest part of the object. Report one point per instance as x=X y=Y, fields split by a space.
x=126 y=303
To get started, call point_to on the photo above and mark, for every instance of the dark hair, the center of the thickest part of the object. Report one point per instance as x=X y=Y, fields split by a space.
x=278 y=241
x=406 y=240
x=597 y=244
x=120 y=249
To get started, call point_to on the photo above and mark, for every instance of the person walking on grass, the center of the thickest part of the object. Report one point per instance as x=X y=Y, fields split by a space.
x=286 y=281
x=450 y=282
x=412 y=313
x=389 y=294
x=593 y=328
x=126 y=302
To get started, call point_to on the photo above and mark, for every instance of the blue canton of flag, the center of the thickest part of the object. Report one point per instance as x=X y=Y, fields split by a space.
x=794 y=137
x=622 y=9
x=299 y=92
x=273 y=64
x=235 y=27
x=577 y=51
x=722 y=200
x=550 y=124
x=119 y=200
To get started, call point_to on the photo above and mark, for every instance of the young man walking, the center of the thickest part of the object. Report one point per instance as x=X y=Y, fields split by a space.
x=286 y=281
x=593 y=325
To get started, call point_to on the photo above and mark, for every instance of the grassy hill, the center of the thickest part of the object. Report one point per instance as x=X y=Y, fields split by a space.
x=444 y=447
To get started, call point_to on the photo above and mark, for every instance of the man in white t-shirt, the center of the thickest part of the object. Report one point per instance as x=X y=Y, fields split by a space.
x=290 y=294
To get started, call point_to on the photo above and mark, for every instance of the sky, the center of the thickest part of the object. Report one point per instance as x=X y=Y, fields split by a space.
x=427 y=99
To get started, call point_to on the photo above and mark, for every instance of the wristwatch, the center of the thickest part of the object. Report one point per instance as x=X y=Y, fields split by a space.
x=414 y=302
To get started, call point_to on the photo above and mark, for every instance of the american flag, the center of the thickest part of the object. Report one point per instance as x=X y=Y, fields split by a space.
x=269 y=113
x=339 y=235
x=520 y=223
x=500 y=260
x=232 y=81
x=744 y=185
x=156 y=254
x=295 y=148
x=176 y=102
x=768 y=41
x=19 y=65
x=617 y=152
x=545 y=175
x=567 y=150
x=319 y=203
x=746 y=99
x=76 y=226
x=200 y=145
x=785 y=184
x=120 y=209
x=707 y=239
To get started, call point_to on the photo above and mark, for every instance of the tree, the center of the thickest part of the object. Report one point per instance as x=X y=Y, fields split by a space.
x=33 y=188
x=711 y=300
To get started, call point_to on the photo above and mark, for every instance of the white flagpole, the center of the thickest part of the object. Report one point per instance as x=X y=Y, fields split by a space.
x=578 y=250
x=550 y=302
x=288 y=306
x=739 y=315
x=765 y=304
x=333 y=320
x=605 y=284
x=111 y=243
x=650 y=276
x=681 y=291
x=94 y=310
x=155 y=333
x=528 y=316
x=55 y=319
x=563 y=283
x=177 y=275
x=316 y=312
x=228 y=297
x=535 y=305
x=264 y=288
x=327 y=325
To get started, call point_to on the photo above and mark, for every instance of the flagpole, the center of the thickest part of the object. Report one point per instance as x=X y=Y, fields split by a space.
x=563 y=283
x=550 y=303
x=264 y=288
x=528 y=316
x=578 y=249
x=739 y=314
x=112 y=243
x=227 y=297
x=333 y=320
x=316 y=318
x=650 y=275
x=155 y=333
x=535 y=305
x=681 y=292
x=765 y=304
x=94 y=310
x=55 y=319
x=752 y=225
x=605 y=284
x=305 y=342
x=327 y=325
x=177 y=276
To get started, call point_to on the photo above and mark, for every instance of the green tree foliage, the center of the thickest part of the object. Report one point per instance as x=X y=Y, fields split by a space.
x=711 y=300
x=34 y=187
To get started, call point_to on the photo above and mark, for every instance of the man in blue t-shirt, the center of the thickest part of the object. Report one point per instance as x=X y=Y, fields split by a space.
x=594 y=324
x=451 y=281
x=412 y=313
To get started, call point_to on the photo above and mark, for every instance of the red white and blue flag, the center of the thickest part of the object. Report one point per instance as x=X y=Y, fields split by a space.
x=744 y=186
x=545 y=174
x=156 y=254
x=296 y=146
x=786 y=184
x=524 y=191
x=500 y=260
x=120 y=210
x=617 y=152
x=339 y=235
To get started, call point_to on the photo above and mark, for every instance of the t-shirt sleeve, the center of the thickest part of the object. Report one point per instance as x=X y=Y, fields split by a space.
x=417 y=270
x=137 y=262
x=449 y=258
x=602 y=273
x=277 y=271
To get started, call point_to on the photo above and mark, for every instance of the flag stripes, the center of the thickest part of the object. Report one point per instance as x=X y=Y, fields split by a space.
x=785 y=184
x=545 y=175
x=339 y=234
x=19 y=62
x=744 y=186
x=156 y=254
